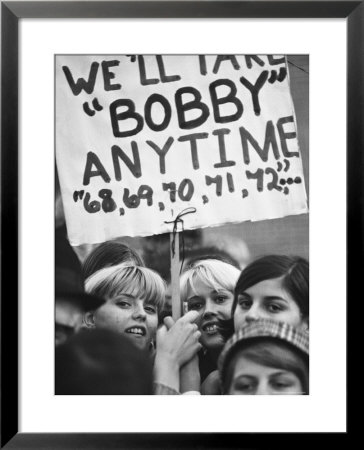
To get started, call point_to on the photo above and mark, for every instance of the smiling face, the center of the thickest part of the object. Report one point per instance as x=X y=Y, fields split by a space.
x=133 y=317
x=267 y=300
x=250 y=378
x=211 y=304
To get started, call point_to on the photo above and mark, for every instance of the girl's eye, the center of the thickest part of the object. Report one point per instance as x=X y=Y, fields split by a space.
x=194 y=306
x=280 y=385
x=151 y=309
x=220 y=299
x=244 y=387
x=244 y=303
x=274 y=308
x=122 y=304
x=282 y=382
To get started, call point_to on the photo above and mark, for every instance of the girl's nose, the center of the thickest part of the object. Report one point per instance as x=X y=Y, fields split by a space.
x=263 y=389
x=210 y=308
x=139 y=311
x=252 y=314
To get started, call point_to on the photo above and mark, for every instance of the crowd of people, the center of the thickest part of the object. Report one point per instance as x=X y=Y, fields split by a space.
x=241 y=332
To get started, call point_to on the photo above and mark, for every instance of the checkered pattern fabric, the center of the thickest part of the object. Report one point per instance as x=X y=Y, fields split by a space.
x=266 y=328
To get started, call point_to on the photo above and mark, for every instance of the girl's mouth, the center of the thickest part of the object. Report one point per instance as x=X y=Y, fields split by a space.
x=210 y=328
x=136 y=331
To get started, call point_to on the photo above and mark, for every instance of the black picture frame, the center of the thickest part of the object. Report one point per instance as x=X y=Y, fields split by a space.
x=11 y=13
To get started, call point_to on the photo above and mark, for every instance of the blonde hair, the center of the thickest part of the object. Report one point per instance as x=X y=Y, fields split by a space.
x=127 y=279
x=214 y=273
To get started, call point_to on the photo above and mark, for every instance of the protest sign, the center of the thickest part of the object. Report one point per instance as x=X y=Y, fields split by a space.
x=141 y=138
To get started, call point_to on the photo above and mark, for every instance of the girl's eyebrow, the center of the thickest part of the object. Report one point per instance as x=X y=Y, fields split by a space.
x=243 y=294
x=280 y=373
x=194 y=297
x=150 y=301
x=275 y=297
x=244 y=376
x=123 y=295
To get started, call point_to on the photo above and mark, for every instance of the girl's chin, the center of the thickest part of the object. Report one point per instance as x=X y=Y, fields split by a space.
x=212 y=341
x=138 y=341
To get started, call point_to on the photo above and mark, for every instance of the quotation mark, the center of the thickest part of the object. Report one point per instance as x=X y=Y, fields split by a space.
x=274 y=76
x=91 y=112
x=78 y=195
x=280 y=165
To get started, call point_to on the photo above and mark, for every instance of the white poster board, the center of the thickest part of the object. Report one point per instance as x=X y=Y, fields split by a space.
x=141 y=138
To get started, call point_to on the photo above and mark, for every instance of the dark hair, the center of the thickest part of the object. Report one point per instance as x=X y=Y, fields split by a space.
x=293 y=269
x=69 y=285
x=108 y=254
x=101 y=362
x=268 y=352
x=64 y=256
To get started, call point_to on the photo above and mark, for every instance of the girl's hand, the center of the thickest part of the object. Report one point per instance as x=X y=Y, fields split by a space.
x=178 y=342
x=211 y=385
x=190 y=379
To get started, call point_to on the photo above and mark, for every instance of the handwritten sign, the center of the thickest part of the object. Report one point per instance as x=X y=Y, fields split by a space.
x=141 y=138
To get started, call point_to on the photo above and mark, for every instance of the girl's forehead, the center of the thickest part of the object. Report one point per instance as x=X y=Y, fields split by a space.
x=270 y=284
x=245 y=366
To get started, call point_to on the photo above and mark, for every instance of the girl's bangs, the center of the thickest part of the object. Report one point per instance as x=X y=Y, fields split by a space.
x=216 y=280
x=144 y=284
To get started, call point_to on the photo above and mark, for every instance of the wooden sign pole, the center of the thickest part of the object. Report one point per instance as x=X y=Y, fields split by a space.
x=175 y=270
x=175 y=262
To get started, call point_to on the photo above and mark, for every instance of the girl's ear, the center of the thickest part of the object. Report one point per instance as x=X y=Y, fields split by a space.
x=89 y=320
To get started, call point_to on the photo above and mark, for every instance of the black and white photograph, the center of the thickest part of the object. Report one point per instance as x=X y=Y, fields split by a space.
x=181 y=215
x=182 y=224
